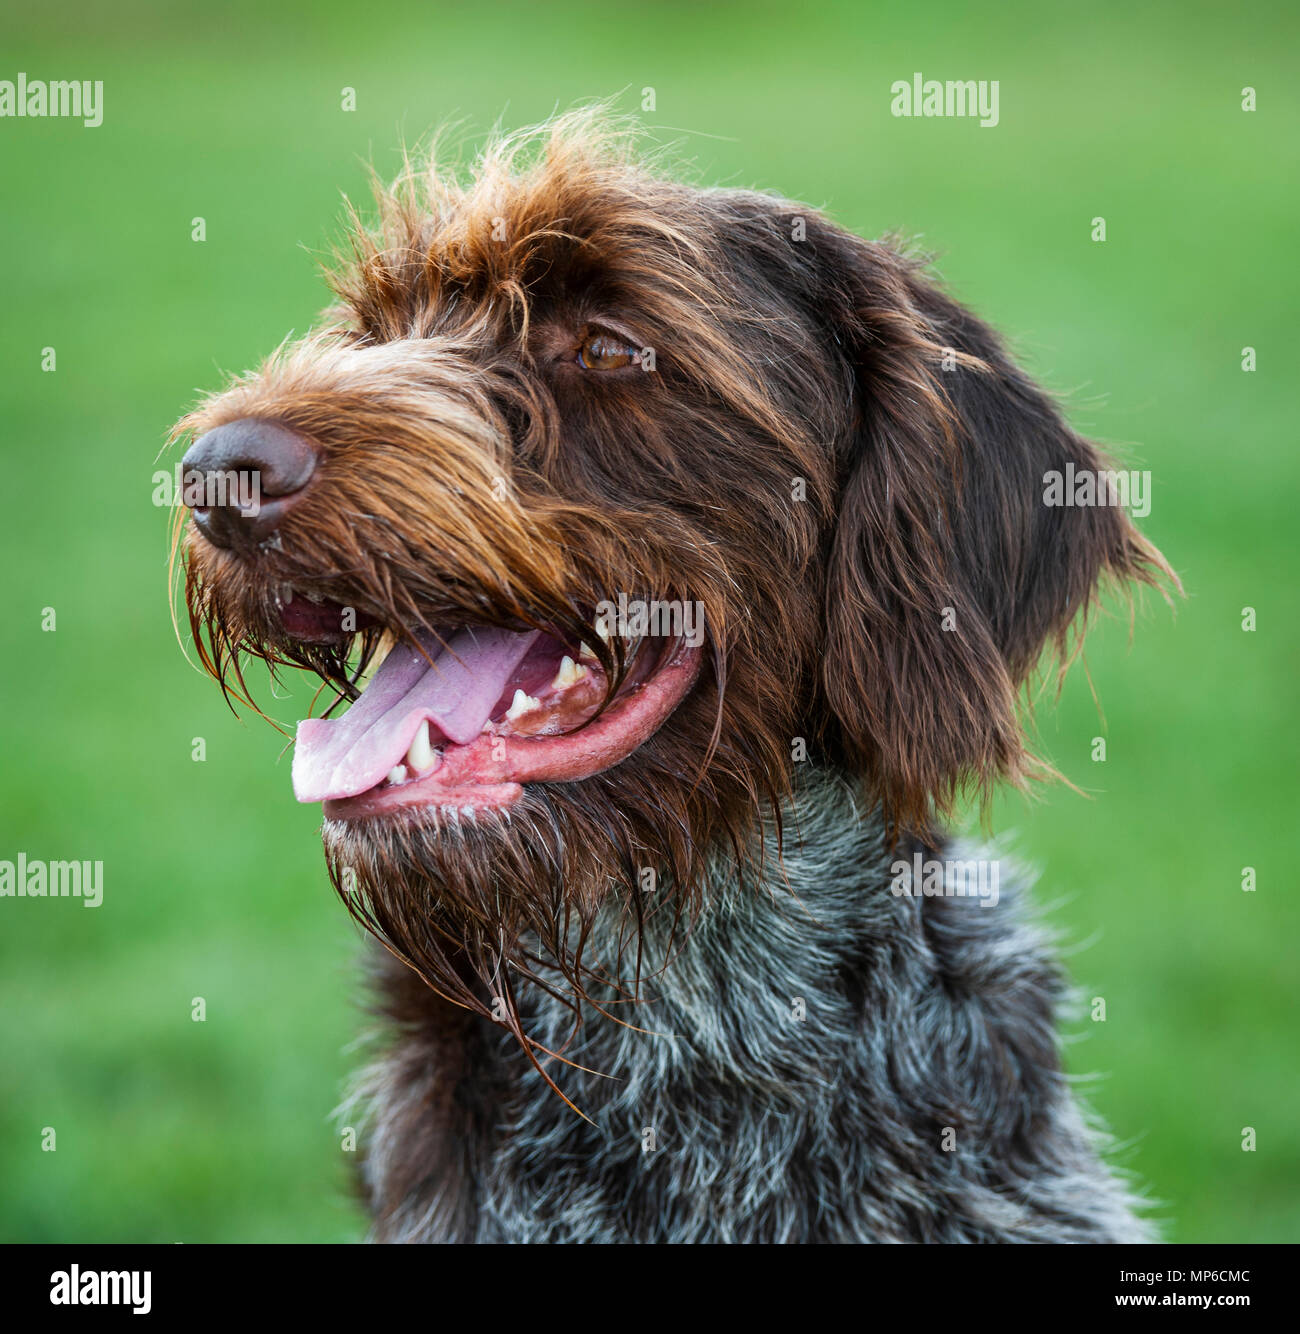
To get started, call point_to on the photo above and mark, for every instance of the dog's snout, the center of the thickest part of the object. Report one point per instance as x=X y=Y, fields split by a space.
x=247 y=475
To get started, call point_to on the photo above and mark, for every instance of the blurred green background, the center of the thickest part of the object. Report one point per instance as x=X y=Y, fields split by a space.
x=174 y=1130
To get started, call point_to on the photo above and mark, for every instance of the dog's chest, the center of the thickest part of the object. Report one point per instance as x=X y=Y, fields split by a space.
x=750 y=1095
x=822 y=1060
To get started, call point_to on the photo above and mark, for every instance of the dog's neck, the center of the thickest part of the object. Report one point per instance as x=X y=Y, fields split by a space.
x=775 y=961
x=802 y=895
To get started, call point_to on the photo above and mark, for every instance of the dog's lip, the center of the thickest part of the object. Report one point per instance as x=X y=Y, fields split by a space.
x=315 y=620
x=490 y=772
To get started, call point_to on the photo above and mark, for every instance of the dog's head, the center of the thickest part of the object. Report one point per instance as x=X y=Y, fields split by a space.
x=642 y=493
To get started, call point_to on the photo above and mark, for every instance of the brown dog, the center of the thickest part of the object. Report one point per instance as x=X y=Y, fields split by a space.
x=679 y=514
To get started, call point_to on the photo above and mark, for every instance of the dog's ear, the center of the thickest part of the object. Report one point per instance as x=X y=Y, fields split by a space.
x=948 y=572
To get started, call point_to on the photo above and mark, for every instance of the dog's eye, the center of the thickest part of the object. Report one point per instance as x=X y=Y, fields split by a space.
x=601 y=352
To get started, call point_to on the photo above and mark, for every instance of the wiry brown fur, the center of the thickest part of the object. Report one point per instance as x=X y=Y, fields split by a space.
x=470 y=474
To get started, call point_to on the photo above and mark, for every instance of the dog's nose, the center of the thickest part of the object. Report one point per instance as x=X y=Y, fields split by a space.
x=253 y=472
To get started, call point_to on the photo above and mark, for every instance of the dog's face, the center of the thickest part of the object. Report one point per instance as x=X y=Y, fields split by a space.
x=631 y=495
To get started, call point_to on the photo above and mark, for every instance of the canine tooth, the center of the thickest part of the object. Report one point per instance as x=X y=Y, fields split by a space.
x=420 y=755
x=569 y=674
x=584 y=651
x=397 y=774
x=521 y=704
x=286 y=595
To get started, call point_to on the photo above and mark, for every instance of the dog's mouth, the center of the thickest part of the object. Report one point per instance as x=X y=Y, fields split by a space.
x=462 y=718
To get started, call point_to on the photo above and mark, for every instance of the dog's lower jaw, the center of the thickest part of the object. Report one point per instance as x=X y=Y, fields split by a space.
x=824 y=1060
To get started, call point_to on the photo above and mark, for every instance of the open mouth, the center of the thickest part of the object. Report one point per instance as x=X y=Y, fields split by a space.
x=463 y=719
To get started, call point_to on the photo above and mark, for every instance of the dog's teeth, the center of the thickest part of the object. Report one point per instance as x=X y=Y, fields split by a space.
x=286 y=596
x=569 y=674
x=521 y=704
x=376 y=661
x=584 y=651
x=421 y=756
x=397 y=774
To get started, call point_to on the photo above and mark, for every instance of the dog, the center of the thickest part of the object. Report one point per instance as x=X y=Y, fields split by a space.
x=681 y=557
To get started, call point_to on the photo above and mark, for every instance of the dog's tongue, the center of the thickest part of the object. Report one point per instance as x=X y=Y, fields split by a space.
x=346 y=756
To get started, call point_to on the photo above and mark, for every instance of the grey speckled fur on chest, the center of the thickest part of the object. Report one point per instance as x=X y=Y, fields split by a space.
x=823 y=1061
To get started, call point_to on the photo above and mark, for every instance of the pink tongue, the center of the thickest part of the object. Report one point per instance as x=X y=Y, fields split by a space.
x=344 y=757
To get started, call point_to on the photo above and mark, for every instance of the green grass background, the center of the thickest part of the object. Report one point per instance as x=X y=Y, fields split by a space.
x=169 y=1129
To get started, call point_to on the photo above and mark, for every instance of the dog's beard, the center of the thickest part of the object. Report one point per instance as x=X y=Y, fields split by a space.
x=481 y=907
